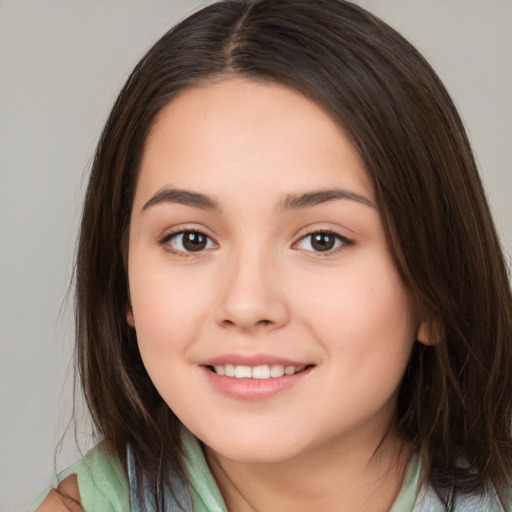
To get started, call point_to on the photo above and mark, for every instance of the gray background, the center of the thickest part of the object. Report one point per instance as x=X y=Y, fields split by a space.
x=62 y=63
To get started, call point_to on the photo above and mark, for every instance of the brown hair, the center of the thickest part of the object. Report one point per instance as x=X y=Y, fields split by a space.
x=455 y=401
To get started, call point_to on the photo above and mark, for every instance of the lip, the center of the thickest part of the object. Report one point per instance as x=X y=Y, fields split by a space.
x=253 y=360
x=254 y=389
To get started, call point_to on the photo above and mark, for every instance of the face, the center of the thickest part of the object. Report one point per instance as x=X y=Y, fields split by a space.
x=268 y=311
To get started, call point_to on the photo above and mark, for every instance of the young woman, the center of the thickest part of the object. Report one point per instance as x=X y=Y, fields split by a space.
x=290 y=294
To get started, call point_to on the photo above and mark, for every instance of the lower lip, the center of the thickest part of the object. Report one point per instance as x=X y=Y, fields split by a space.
x=254 y=389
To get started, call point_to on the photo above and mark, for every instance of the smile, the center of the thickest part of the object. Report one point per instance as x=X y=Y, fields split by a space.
x=242 y=380
x=261 y=372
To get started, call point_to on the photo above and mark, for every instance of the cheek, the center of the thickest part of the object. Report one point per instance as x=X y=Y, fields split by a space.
x=168 y=309
x=167 y=306
x=364 y=321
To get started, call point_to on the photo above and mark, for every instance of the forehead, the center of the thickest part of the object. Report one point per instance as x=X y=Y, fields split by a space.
x=237 y=131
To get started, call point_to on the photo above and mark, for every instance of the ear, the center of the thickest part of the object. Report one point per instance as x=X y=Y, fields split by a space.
x=129 y=316
x=430 y=332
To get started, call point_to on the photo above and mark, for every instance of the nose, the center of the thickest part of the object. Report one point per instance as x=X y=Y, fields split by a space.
x=251 y=295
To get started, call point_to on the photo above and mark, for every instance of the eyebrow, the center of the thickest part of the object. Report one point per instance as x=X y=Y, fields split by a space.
x=309 y=199
x=290 y=202
x=186 y=197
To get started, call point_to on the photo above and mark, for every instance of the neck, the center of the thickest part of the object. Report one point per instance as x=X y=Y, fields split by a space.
x=337 y=476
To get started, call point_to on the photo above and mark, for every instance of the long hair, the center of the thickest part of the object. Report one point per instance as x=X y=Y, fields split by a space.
x=455 y=400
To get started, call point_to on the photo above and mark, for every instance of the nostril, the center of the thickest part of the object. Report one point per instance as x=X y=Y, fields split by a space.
x=260 y=323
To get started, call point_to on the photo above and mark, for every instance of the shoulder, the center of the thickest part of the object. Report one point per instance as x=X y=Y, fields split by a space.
x=96 y=482
x=63 y=499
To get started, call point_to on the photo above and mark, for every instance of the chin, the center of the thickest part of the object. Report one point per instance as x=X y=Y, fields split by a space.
x=252 y=448
x=244 y=454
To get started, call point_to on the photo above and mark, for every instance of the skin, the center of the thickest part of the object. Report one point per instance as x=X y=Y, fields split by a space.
x=259 y=287
x=66 y=498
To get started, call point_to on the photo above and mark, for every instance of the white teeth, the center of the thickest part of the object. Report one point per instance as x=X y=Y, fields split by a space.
x=289 y=370
x=220 y=370
x=243 y=372
x=264 y=371
x=276 y=370
x=261 y=372
x=229 y=370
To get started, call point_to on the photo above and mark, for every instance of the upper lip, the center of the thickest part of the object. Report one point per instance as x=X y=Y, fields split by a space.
x=252 y=360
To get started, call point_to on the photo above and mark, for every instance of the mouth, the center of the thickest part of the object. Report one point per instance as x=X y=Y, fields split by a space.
x=255 y=377
x=259 y=372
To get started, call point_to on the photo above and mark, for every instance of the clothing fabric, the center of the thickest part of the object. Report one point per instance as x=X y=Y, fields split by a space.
x=203 y=494
x=104 y=487
x=101 y=480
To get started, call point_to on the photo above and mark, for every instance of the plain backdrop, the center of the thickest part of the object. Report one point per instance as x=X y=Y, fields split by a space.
x=62 y=63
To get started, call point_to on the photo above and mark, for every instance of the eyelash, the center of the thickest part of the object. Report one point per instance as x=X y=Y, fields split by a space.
x=343 y=241
x=340 y=239
x=168 y=238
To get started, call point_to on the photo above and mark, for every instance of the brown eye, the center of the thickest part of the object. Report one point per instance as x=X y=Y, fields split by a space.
x=190 y=241
x=322 y=241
